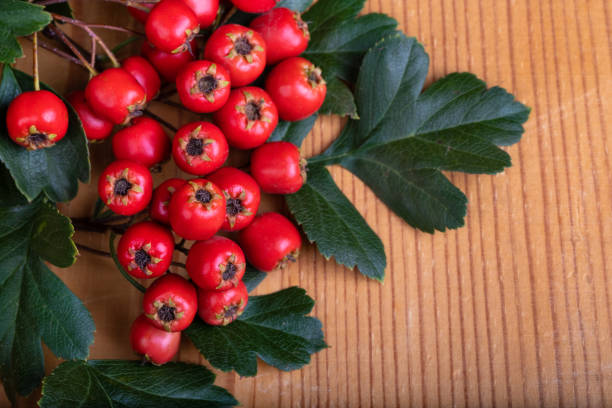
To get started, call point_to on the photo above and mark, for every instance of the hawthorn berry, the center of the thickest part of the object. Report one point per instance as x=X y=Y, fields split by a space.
x=145 y=250
x=203 y=86
x=125 y=187
x=278 y=168
x=144 y=73
x=168 y=65
x=161 y=199
x=197 y=210
x=254 y=6
x=115 y=95
x=216 y=264
x=270 y=242
x=221 y=308
x=141 y=15
x=37 y=119
x=297 y=88
x=248 y=118
x=170 y=26
x=199 y=148
x=157 y=346
x=144 y=142
x=285 y=33
x=240 y=50
x=204 y=10
x=242 y=197
x=170 y=303
x=95 y=126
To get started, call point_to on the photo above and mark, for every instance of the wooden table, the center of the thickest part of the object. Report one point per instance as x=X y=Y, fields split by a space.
x=514 y=309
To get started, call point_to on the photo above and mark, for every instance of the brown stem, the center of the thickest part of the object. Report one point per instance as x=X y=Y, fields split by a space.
x=115 y=28
x=49 y=2
x=173 y=104
x=35 y=61
x=92 y=60
x=160 y=120
x=58 y=52
x=134 y=3
x=70 y=45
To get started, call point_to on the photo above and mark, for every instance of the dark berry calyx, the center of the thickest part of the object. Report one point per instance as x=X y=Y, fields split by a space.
x=142 y=259
x=231 y=312
x=38 y=139
x=233 y=206
x=252 y=110
x=203 y=196
x=195 y=147
x=243 y=46
x=122 y=187
x=166 y=313
x=208 y=84
x=230 y=271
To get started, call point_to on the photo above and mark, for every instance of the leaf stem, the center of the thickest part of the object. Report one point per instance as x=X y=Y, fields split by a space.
x=35 y=61
x=160 y=120
x=322 y=160
x=70 y=45
x=135 y=4
x=113 y=254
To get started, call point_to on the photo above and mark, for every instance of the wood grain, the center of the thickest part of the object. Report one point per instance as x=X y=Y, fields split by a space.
x=514 y=309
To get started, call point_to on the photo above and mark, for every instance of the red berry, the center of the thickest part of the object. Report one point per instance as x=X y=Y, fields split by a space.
x=197 y=210
x=216 y=264
x=167 y=64
x=145 y=250
x=144 y=73
x=270 y=242
x=254 y=6
x=222 y=308
x=297 y=88
x=285 y=33
x=37 y=119
x=158 y=346
x=115 y=95
x=248 y=118
x=125 y=187
x=143 y=142
x=204 y=10
x=240 y=50
x=278 y=168
x=161 y=199
x=141 y=15
x=199 y=148
x=242 y=197
x=170 y=303
x=171 y=25
x=203 y=86
x=95 y=126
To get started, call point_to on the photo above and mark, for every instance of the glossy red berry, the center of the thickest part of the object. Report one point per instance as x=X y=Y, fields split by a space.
x=95 y=126
x=37 y=119
x=221 y=308
x=240 y=50
x=141 y=15
x=197 y=210
x=278 y=168
x=216 y=264
x=254 y=6
x=204 y=10
x=270 y=242
x=115 y=95
x=242 y=197
x=144 y=142
x=171 y=25
x=157 y=346
x=297 y=88
x=285 y=33
x=203 y=86
x=160 y=203
x=125 y=187
x=168 y=65
x=170 y=303
x=248 y=118
x=144 y=73
x=199 y=148
x=145 y=250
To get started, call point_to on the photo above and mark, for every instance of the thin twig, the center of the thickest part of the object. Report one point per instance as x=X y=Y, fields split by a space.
x=134 y=3
x=49 y=2
x=92 y=60
x=35 y=63
x=70 y=45
x=58 y=52
x=172 y=103
x=160 y=120
x=115 y=28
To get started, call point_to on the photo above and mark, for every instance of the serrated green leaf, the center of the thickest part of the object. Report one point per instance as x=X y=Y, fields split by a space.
x=116 y=383
x=55 y=170
x=18 y=18
x=60 y=8
x=326 y=14
x=339 y=100
x=330 y=219
x=273 y=327
x=294 y=132
x=253 y=277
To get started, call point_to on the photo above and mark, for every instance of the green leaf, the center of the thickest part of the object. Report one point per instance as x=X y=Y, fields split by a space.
x=330 y=219
x=36 y=304
x=116 y=383
x=297 y=5
x=339 y=100
x=55 y=170
x=273 y=327
x=326 y=14
x=60 y=8
x=18 y=18
x=294 y=132
x=405 y=138
x=253 y=277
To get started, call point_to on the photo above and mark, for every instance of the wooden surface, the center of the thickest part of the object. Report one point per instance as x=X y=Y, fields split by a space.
x=515 y=308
